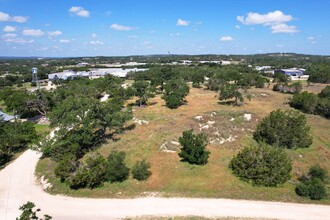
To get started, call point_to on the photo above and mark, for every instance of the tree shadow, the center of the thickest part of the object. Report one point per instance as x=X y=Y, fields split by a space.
x=230 y=102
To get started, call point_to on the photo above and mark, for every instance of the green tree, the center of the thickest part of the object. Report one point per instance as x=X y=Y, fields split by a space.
x=143 y=91
x=193 y=148
x=175 y=92
x=229 y=91
x=141 y=171
x=197 y=78
x=285 y=129
x=117 y=170
x=29 y=213
x=15 y=137
x=262 y=165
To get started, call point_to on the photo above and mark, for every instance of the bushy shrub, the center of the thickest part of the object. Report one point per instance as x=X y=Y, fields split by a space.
x=141 y=170
x=262 y=165
x=193 y=148
x=285 y=129
x=325 y=93
x=91 y=174
x=305 y=101
x=117 y=170
x=65 y=167
x=318 y=172
x=293 y=88
x=312 y=188
x=313 y=185
x=323 y=107
x=312 y=103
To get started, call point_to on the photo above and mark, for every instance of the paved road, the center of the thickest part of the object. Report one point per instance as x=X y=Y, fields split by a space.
x=18 y=185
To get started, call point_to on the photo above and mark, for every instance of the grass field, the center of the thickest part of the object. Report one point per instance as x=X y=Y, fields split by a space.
x=170 y=177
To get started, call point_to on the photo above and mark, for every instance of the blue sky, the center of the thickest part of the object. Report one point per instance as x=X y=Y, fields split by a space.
x=139 y=27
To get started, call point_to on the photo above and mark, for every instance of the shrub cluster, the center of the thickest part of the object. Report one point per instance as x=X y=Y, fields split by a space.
x=313 y=104
x=293 y=88
x=268 y=165
x=313 y=185
x=285 y=129
x=262 y=165
x=95 y=170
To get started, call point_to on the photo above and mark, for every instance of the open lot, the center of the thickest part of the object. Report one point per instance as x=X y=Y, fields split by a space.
x=172 y=178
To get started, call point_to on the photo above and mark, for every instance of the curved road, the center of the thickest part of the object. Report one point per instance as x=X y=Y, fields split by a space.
x=18 y=185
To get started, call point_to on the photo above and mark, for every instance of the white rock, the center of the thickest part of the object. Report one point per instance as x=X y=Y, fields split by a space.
x=140 y=122
x=205 y=127
x=210 y=123
x=199 y=117
x=247 y=117
x=104 y=98
x=222 y=141
x=232 y=119
x=213 y=114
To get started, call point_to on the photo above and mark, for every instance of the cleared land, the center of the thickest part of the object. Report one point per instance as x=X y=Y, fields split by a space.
x=172 y=178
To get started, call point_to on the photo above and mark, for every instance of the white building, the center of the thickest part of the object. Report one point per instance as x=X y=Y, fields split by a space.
x=94 y=73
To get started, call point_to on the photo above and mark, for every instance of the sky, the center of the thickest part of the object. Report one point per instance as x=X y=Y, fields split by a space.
x=70 y=28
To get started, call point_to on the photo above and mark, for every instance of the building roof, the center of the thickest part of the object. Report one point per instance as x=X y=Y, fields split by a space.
x=6 y=117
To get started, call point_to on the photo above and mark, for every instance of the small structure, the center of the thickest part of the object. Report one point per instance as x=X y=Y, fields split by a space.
x=291 y=72
x=6 y=118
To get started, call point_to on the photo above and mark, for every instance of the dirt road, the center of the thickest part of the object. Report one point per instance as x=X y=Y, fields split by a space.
x=18 y=185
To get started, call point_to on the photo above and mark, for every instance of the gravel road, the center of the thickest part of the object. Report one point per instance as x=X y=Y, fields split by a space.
x=18 y=185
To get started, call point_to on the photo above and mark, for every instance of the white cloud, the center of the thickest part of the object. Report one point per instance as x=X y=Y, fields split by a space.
x=8 y=28
x=279 y=45
x=7 y=17
x=4 y=16
x=94 y=35
x=181 y=22
x=64 y=41
x=237 y=27
x=9 y=35
x=79 y=11
x=133 y=36
x=284 y=28
x=312 y=40
x=54 y=33
x=42 y=49
x=119 y=27
x=97 y=42
x=271 y=18
x=19 y=19
x=33 y=32
x=226 y=38
x=19 y=41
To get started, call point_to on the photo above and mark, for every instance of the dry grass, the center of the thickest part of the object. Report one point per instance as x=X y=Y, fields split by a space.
x=170 y=177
